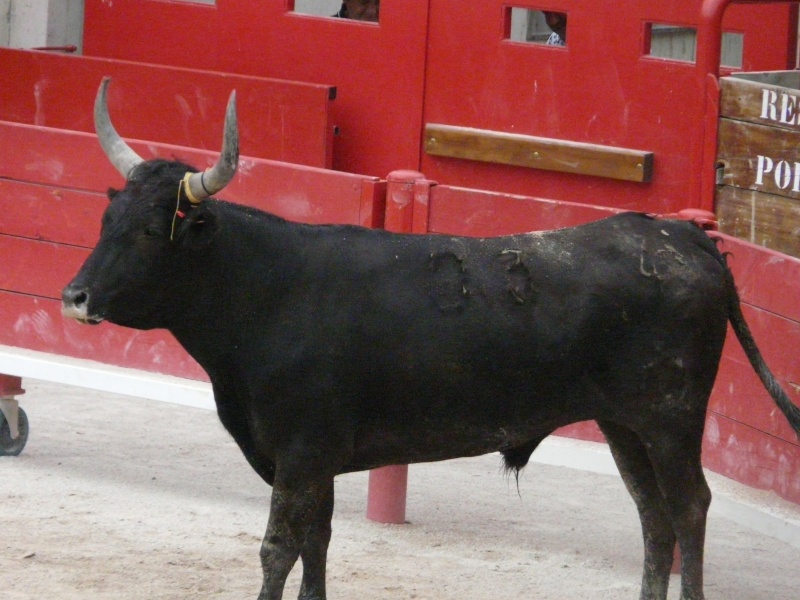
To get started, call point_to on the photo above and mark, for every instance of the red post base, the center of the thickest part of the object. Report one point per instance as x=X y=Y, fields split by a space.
x=386 y=498
x=676 y=561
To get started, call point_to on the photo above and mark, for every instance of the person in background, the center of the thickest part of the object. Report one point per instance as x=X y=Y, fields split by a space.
x=558 y=23
x=360 y=10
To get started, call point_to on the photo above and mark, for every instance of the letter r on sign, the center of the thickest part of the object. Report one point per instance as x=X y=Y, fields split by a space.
x=769 y=98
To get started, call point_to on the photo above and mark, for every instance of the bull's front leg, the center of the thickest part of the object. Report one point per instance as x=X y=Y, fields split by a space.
x=296 y=510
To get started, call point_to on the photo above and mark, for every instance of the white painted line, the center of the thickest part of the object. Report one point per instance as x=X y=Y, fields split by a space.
x=758 y=510
x=106 y=378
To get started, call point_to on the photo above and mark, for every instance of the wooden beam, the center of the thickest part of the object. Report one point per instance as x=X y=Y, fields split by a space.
x=765 y=219
x=537 y=152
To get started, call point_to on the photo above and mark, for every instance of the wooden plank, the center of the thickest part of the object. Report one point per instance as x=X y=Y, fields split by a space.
x=750 y=457
x=742 y=398
x=759 y=157
x=38 y=268
x=280 y=119
x=764 y=277
x=57 y=157
x=36 y=323
x=785 y=79
x=481 y=213
x=74 y=160
x=51 y=214
x=760 y=98
x=538 y=152
x=778 y=350
x=765 y=219
x=740 y=395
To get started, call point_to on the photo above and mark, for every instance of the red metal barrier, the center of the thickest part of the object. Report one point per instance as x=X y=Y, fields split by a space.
x=433 y=62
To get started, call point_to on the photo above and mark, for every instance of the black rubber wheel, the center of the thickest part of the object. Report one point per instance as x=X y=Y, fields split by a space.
x=12 y=447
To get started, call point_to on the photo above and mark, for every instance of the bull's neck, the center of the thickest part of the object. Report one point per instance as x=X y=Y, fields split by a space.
x=236 y=283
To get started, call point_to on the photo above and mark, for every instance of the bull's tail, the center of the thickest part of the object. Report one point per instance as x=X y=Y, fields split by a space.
x=742 y=331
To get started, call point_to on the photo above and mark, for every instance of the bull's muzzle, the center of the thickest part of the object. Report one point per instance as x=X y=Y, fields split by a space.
x=75 y=305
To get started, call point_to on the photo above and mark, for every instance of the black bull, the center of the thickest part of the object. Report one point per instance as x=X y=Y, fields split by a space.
x=335 y=348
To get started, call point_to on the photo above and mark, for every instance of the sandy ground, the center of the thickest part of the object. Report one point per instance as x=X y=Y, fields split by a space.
x=123 y=498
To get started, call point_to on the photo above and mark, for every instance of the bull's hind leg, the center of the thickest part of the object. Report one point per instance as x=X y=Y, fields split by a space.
x=294 y=512
x=315 y=551
x=674 y=449
x=640 y=479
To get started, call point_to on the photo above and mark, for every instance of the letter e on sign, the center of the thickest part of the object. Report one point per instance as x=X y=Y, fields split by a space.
x=788 y=109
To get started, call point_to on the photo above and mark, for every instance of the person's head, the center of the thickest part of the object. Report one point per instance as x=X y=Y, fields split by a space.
x=363 y=10
x=557 y=21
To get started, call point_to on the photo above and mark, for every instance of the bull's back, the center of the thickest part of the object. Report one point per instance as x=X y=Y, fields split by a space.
x=521 y=334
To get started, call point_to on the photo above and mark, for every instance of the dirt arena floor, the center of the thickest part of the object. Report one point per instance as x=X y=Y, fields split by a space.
x=120 y=498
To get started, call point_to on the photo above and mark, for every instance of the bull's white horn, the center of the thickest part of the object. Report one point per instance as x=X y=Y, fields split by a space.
x=118 y=152
x=212 y=180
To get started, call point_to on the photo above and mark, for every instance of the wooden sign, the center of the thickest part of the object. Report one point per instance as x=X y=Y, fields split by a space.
x=758 y=156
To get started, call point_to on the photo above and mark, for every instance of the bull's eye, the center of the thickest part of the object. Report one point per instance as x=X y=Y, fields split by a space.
x=152 y=231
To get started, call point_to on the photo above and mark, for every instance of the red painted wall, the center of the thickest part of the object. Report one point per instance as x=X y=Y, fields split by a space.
x=600 y=89
x=378 y=70
x=280 y=120
x=445 y=61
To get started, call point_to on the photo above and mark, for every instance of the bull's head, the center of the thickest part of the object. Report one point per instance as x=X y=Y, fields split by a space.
x=151 y=230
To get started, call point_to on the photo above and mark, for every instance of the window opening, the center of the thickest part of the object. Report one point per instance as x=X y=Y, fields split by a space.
x=536 y=26
x=674 y=42
x=732 y=49
x=354 y=10
x=677 y=42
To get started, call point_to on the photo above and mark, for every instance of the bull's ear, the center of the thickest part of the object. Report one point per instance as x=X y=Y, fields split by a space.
x=198 y=228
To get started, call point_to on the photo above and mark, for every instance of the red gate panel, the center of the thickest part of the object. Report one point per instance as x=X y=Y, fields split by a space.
x=378 y=69
x=280 y=120
x=601 y=88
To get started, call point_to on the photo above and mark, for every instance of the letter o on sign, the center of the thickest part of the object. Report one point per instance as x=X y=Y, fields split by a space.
x=783 y=174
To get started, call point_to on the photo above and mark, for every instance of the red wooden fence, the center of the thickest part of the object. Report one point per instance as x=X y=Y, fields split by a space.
x=280 y=120
x=52 y=195
x=450 y=62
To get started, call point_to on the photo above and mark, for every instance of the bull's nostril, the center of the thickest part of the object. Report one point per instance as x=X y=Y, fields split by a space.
x=75 y=296
x=75 y=305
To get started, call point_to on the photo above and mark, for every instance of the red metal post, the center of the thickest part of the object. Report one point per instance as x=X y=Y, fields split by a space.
x=386 y=498
x=676 y=561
